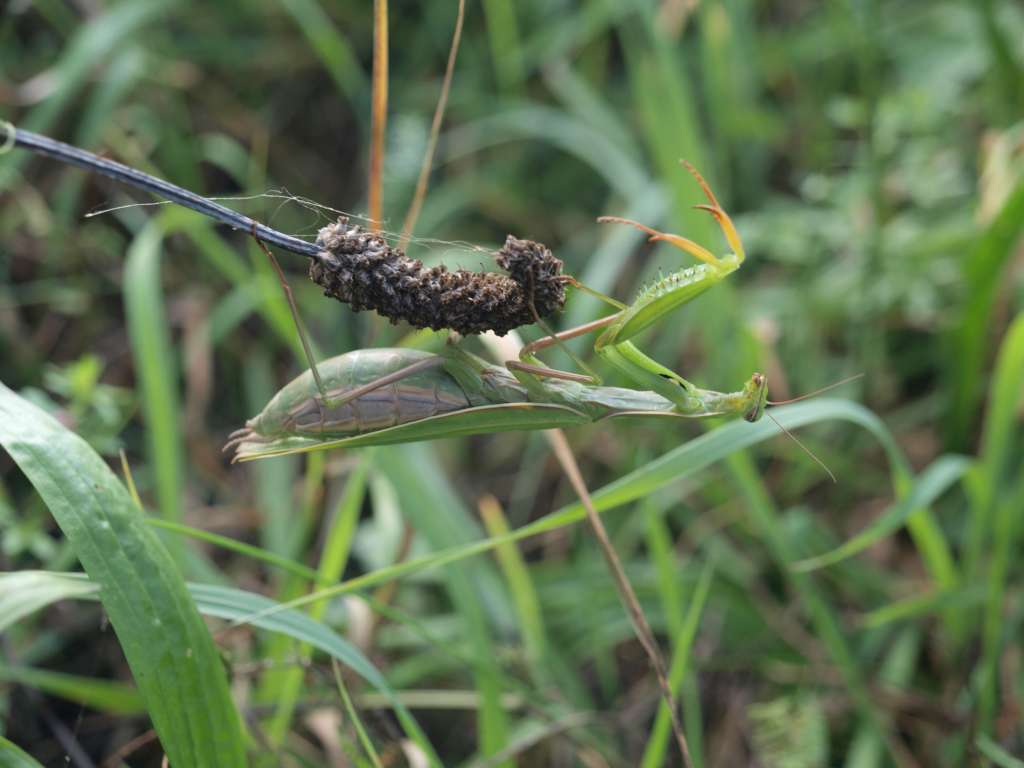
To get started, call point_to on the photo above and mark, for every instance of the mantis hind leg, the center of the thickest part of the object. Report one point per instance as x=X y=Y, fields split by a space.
x=402 y=373
x=290 y=298
x=528 y=368
x=325 y=401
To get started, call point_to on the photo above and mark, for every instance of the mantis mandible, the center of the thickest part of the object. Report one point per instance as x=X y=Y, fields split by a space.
x=383 y=396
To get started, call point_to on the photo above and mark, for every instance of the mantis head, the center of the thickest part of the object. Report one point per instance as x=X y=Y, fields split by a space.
x=756 y=392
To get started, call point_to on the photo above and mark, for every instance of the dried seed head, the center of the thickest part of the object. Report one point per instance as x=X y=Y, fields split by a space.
x=362 y=270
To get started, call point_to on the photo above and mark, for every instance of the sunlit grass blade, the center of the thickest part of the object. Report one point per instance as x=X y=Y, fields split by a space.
x=11 y=756
x=984 y=270
x=932 y=484
x=25 y=592
x=667 y=109
x=332 y=564
x=655 y=751
x=434 y=512
x=238 y=606
x=167 y=645
x=689 y=459
x=234 y=545
x=997 y=754
x=353 y=715
x=1000 y=443
x=102 y=695
x=155 y=368
x=997 y=500
x=520 y=585
x=918 y=606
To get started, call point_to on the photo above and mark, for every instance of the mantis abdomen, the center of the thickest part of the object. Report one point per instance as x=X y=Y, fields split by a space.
x=298 y=410
x=389 y=406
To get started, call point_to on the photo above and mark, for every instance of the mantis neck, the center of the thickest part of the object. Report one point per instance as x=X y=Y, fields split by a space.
x=602 y=402
x=725 y=403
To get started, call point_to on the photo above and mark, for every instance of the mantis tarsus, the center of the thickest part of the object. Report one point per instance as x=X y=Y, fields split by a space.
x=394 y=395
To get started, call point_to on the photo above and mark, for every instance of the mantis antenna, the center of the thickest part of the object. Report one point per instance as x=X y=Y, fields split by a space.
x=805 y=449
x=793 y=437
x=816 y=392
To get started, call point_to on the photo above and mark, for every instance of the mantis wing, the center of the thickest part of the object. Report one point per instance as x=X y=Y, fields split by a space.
x=506 y=417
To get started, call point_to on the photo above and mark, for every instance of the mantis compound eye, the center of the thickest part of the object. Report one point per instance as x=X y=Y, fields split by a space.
x=757 y=389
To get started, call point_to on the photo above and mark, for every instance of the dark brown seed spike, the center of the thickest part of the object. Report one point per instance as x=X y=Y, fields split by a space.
x=363 y=270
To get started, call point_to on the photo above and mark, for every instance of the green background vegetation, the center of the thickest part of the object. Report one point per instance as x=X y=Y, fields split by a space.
x=872 y=155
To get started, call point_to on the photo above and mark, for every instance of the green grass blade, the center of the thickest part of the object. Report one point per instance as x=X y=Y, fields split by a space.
x=932 y=483
x=233 y=545
x=155 y=368
x=26 y=592
x=687 y=460
x=569 y=134
x=999 y=443
x=503 y=33
x=167 y=645
x=520 y=585
x=897 y=670
x=667 y=111
x=13 y=757
x=353 y=715
x=333 y=50
x=700 y=453
x=918 y=606
x=997 y=754
x=434 y=511
x=998 y=499
x=102 y=695
x=247 y=608
x=655 y=753
x=660 y=550
x=92 y=44
x=332 y=565
x=984 y=274
x=238 y=606
x=818 y=608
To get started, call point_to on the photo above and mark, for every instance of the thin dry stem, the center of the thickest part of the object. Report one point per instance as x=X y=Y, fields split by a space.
x=380 y=109
x=435 y=130
x=636 y=614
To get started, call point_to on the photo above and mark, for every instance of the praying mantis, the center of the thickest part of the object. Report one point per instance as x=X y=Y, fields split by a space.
x=385 y=396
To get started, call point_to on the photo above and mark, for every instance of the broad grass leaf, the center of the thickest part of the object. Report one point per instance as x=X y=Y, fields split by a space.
x=165 y=641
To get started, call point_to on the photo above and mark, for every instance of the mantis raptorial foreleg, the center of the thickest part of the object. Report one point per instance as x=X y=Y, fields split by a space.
x=657 y=300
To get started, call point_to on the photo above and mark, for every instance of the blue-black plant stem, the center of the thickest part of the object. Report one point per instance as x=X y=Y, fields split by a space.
x=66 y=153
x=362 y=269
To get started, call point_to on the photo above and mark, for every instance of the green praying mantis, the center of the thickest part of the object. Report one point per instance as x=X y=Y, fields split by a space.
x=386 y=396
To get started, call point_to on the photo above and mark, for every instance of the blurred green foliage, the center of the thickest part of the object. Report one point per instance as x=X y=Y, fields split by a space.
x=872 y=154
